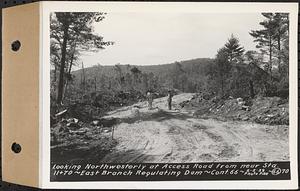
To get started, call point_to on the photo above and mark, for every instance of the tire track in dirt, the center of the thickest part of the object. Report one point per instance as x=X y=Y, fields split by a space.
x=178 y=137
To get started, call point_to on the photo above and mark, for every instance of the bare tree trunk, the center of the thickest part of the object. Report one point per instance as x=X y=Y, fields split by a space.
x=55 y=71
x=69 y=73
x=95 y=78
x=279 y=55
x=222 y=85
x=71 y=61
x=270 y=58
x=251 y=89
x=83 y=77
x=62 y=65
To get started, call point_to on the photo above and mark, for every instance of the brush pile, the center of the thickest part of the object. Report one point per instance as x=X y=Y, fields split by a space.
x=263 y=110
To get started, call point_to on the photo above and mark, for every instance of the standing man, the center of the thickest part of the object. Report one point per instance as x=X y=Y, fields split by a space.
x=149 y=99
x=170 y=95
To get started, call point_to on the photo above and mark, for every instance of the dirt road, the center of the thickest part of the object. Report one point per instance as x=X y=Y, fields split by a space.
x=160 y=135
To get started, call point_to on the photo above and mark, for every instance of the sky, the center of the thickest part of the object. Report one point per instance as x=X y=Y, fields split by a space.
x=158 y=38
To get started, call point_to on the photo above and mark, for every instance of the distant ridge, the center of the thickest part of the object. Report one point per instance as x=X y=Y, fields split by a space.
x=155 y=69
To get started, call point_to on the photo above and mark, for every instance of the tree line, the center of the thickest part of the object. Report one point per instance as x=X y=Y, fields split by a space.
x=233 y=72
x=70 y=34
x=237 y=72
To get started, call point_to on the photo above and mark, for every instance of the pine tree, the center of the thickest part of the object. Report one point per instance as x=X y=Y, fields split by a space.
x=74 y=29
x=265 y=38
x=281 y=24
x=223 y=67
x=273 y=41
x=234 y=50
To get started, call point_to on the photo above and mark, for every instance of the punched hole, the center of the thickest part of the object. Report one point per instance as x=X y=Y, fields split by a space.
x=15 y=46
x=16 y=148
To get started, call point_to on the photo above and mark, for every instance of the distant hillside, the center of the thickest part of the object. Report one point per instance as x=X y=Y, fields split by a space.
x=187 y=76
x=199 y=65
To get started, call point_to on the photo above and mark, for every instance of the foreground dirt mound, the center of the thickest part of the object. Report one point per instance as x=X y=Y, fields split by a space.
x=263 y=110
x=270 y=111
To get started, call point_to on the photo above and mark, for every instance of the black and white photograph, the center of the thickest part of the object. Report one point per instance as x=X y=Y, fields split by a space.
x=150 y=95
x=169 y=87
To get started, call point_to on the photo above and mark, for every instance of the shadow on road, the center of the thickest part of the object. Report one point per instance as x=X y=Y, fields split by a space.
x=158 y=116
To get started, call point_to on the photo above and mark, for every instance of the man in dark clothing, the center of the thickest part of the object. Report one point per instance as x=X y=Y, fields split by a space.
x=170 y=95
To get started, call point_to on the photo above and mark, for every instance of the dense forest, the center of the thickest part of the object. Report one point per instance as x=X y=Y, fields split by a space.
x=234 y=72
